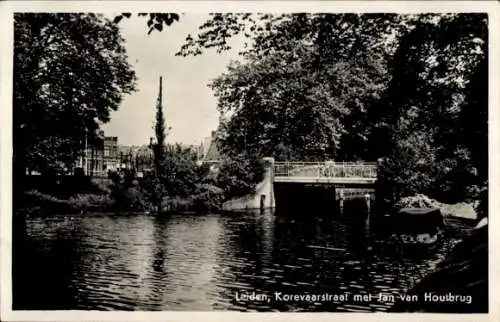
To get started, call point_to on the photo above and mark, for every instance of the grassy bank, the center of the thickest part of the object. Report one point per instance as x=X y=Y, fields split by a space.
x=35 y=203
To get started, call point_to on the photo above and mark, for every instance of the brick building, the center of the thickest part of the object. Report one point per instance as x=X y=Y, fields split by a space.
x=100 y=156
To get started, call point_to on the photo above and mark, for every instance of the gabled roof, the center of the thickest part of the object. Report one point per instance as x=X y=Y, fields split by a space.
x=213 y=153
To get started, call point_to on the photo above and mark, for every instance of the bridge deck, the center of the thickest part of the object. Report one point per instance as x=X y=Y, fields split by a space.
x=326 y=172
x=326 y=180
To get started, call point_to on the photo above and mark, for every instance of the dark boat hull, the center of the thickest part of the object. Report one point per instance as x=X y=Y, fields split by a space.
x=413 y=230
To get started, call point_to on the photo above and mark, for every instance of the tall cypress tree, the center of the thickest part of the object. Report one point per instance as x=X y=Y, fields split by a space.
x=157 y=180
x=159 y=146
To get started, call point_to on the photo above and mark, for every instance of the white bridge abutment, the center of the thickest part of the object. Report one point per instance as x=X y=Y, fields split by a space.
x=263 y=198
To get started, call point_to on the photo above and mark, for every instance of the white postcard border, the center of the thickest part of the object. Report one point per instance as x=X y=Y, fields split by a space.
x=6 y=43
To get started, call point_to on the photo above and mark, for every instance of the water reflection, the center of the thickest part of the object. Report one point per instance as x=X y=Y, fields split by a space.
x=188 y=262
x=189 y=285
x=55 y=253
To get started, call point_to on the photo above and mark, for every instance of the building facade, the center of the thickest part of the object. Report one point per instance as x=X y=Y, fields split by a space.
x=100 y=156
x=111 y=157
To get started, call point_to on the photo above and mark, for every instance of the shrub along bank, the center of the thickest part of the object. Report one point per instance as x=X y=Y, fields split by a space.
x=205 y=189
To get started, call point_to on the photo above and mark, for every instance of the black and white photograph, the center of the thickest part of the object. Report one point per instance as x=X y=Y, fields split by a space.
x=248 y=160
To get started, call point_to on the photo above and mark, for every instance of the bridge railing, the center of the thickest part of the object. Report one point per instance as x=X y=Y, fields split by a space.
x=325 y=169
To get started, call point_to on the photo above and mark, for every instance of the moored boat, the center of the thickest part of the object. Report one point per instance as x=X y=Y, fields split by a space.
x=417 y=226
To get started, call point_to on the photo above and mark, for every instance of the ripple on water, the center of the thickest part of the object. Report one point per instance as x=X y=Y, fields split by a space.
x=199 y=262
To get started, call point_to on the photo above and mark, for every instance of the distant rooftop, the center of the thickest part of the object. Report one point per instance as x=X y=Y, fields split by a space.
x=213 y=153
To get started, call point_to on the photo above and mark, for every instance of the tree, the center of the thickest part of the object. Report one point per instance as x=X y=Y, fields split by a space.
x=155 y=21
x=182 y=171
x=239 y=176
x=305 y=87
x=126 y=193
x=439 y=87
x=156 y=178
x=473 y=118
x=70 y=71
x=352 y=86
x=158 y=147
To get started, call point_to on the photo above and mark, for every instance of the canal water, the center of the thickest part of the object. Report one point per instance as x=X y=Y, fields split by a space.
x=206 y=262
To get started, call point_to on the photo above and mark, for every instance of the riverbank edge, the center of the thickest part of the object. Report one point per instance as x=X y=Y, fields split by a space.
x=35 y=203
x=466 y=260
x=462 y=271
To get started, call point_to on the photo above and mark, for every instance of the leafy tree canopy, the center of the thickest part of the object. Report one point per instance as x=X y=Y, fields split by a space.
x=70 y=72
x=438 y=87
x=155 y=21
x=350 y=86
x=305 y=85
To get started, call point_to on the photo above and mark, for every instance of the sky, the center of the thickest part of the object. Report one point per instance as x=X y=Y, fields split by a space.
x=188 y=103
